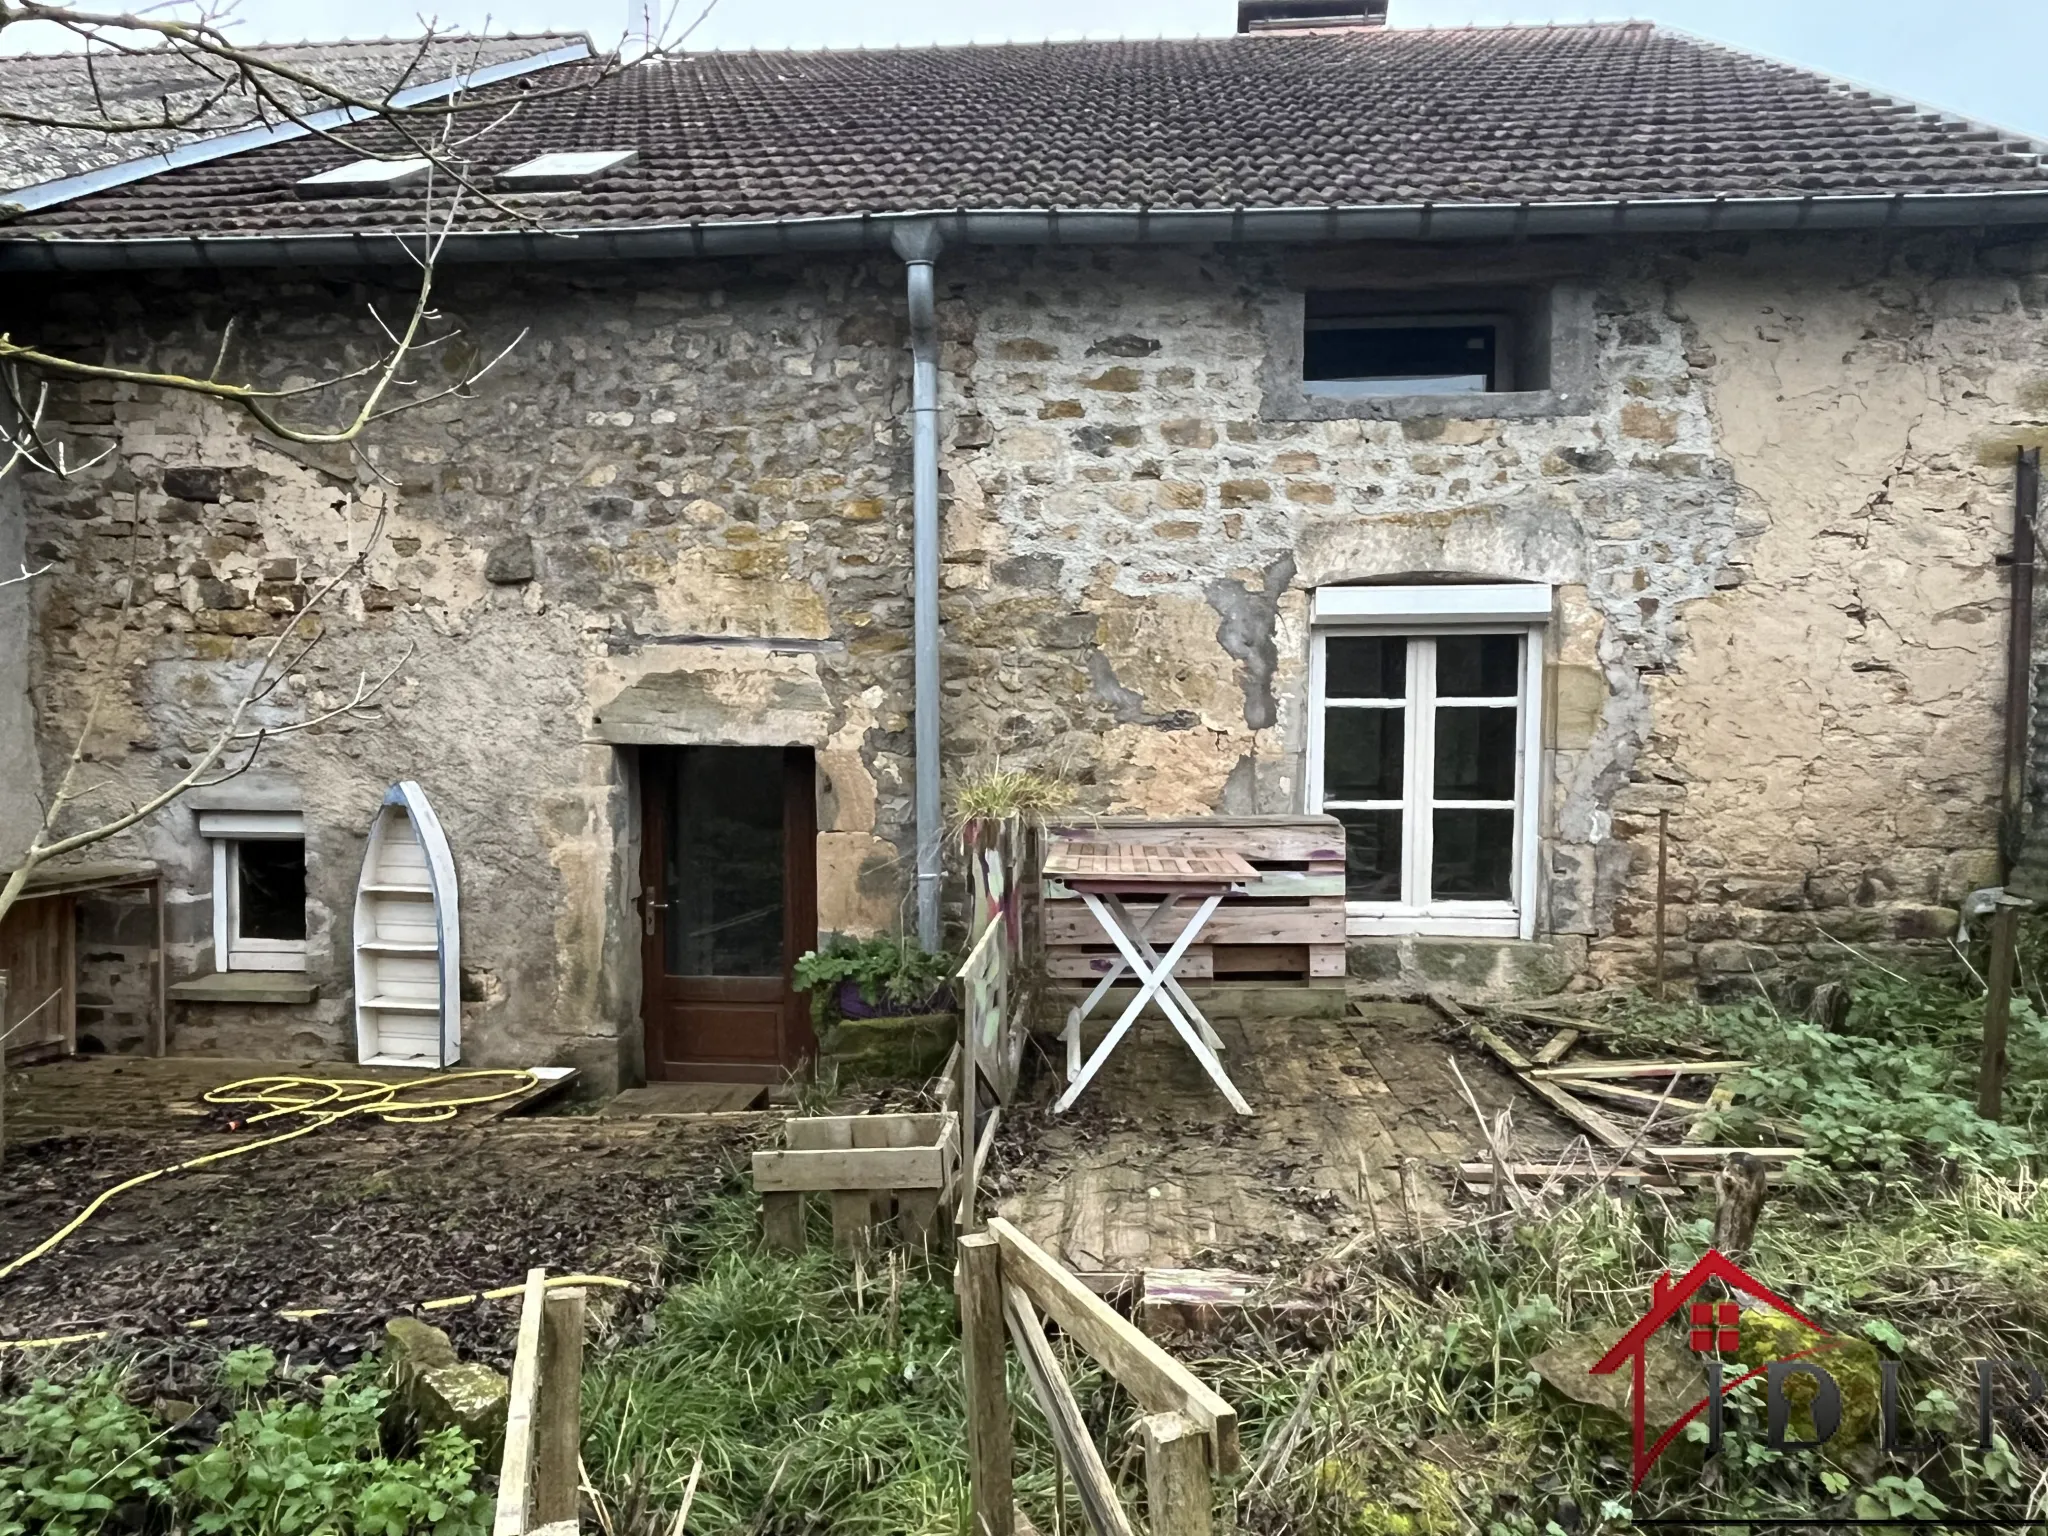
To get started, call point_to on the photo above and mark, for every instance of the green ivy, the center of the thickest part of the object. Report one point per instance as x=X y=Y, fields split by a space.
x=1895 y=1082
x=72 y=1456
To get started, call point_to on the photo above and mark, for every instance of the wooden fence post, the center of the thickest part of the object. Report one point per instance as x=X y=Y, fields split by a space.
x=979 y=1282
x=1997 y=1009
x=558 y=1453
x=515 y=1473
x=1176 y=1475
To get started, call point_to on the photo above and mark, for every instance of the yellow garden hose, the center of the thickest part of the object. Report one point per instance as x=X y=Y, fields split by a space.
x=438 y=1304
x=323 y=1101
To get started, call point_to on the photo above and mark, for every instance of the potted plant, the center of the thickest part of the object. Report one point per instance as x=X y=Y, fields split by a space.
x=882 y=977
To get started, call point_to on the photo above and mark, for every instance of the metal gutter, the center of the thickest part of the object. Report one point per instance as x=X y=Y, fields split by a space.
x=918 y=245
x=1032 y=226
x=45 y=194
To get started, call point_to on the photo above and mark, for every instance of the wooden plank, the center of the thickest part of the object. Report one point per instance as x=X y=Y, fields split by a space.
x=1612 y=1069
x=1160 y=1383
x=853 y=1168
x=818 y=1132
x=1715 y=1154
x=1166 y=864
x=1328 y=960
x=853 y=1217
x=1077 y=1451
x=1271 y=885
x=515 y=1472
x=1178 y=1498
x=1556 y=1047
x=1581 y=1114
x=1197 y=963
x=1264 y=922
x=1260 y=839
x=1641 y=1098
x=977 y=1278
x=1260 y=959
x=558 y=1452
x=782 y=1221
x=663 y=1100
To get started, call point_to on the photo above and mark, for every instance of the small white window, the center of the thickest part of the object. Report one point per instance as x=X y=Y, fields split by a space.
x=364 y=178
x=547 y=173
x=259 y=889
x=1423 y=741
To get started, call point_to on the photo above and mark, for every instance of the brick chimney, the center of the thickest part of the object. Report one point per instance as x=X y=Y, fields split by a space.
x=1309 y=15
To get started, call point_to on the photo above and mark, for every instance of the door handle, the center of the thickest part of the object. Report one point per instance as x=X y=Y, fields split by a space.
x=647 y=911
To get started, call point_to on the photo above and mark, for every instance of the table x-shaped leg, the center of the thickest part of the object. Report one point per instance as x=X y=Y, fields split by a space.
x=1072 y=1033
x=1140 y=934
x=1153 y=975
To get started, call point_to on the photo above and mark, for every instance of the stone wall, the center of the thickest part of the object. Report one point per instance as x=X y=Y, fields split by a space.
x=1769 y=504
x=20 y=811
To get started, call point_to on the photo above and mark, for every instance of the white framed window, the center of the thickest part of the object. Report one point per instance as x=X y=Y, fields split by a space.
x=259 y=889
x=1425 y=741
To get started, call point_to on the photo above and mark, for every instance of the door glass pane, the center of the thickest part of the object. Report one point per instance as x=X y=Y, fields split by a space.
x=270 y=901
x=1475 y=753
x=723 y=864
x=1474 y=856
x=1372 y=867
x=1366 y=667
x=1478 y=666
x=1362 y=753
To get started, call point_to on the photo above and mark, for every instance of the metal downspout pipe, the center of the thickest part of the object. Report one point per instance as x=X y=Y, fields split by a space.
x=918 y=245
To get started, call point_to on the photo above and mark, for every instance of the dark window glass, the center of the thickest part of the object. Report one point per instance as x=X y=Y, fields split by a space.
x=1366 y=668
x=723 y=863
x=1362 y=753
x=270 y=901
x=1478 y=666
x=1475 y=754
x=1473 y=857
x=1372 y=860
x=1431 y=356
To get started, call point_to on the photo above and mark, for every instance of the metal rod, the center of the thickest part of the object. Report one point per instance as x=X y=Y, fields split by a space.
x=1997 y=1009
x=2019 y=661
x=1663 y=866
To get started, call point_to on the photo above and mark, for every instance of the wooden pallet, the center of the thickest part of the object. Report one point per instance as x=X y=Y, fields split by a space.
x=1288 y=923
x=876 y=1169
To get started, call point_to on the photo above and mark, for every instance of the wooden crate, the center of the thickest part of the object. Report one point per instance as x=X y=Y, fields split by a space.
x=1287 y=925
x=876 y=1169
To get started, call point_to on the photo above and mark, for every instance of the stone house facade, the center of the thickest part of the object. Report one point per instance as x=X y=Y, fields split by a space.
x=1713 y=531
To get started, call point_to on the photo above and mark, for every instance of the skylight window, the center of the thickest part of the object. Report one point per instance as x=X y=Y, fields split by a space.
x=364 y=178
x=551 y=173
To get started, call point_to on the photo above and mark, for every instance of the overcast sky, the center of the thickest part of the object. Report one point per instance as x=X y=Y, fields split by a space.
x=1986 y=59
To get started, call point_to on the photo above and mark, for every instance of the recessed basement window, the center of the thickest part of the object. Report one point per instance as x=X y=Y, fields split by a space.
x=259 y=889
x=364 y=178
x=550 y=173
x=1365 y=345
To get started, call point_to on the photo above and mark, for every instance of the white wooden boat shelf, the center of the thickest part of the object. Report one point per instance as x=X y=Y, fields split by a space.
x=408 y=954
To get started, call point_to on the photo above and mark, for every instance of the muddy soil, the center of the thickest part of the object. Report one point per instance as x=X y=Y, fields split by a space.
x=369 y=1221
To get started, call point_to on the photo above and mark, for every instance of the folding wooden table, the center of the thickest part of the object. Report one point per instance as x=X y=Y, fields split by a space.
x=1102 y=875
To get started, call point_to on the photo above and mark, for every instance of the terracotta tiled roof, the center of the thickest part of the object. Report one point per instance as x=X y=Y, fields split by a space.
x=134 y=87
x=1358 y=118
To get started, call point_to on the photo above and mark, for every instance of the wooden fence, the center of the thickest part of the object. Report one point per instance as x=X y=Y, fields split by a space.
x=995 y=1015
x=1189 y=1434
x=539 y=1478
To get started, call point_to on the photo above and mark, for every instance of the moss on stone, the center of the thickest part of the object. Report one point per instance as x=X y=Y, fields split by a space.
x=1853 y=1363
x=1424 y=1502
x=905 y=1049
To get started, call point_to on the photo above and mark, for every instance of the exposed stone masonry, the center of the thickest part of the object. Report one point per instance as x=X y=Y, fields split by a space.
x=680 y=511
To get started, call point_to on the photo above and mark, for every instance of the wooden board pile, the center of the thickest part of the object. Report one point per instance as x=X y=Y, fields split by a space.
x=1649 y=1127
x=1288 y=924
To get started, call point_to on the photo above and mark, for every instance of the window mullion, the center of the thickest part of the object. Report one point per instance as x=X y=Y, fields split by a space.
x=1421 y=787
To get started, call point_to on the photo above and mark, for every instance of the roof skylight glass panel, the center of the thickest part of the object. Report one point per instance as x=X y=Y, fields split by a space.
x=554 y=172
x=364 y=178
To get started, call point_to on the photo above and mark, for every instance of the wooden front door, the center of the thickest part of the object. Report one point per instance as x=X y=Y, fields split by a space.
x=728 y=901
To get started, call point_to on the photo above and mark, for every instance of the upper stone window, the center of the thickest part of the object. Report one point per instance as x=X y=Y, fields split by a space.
x=1362 y=345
